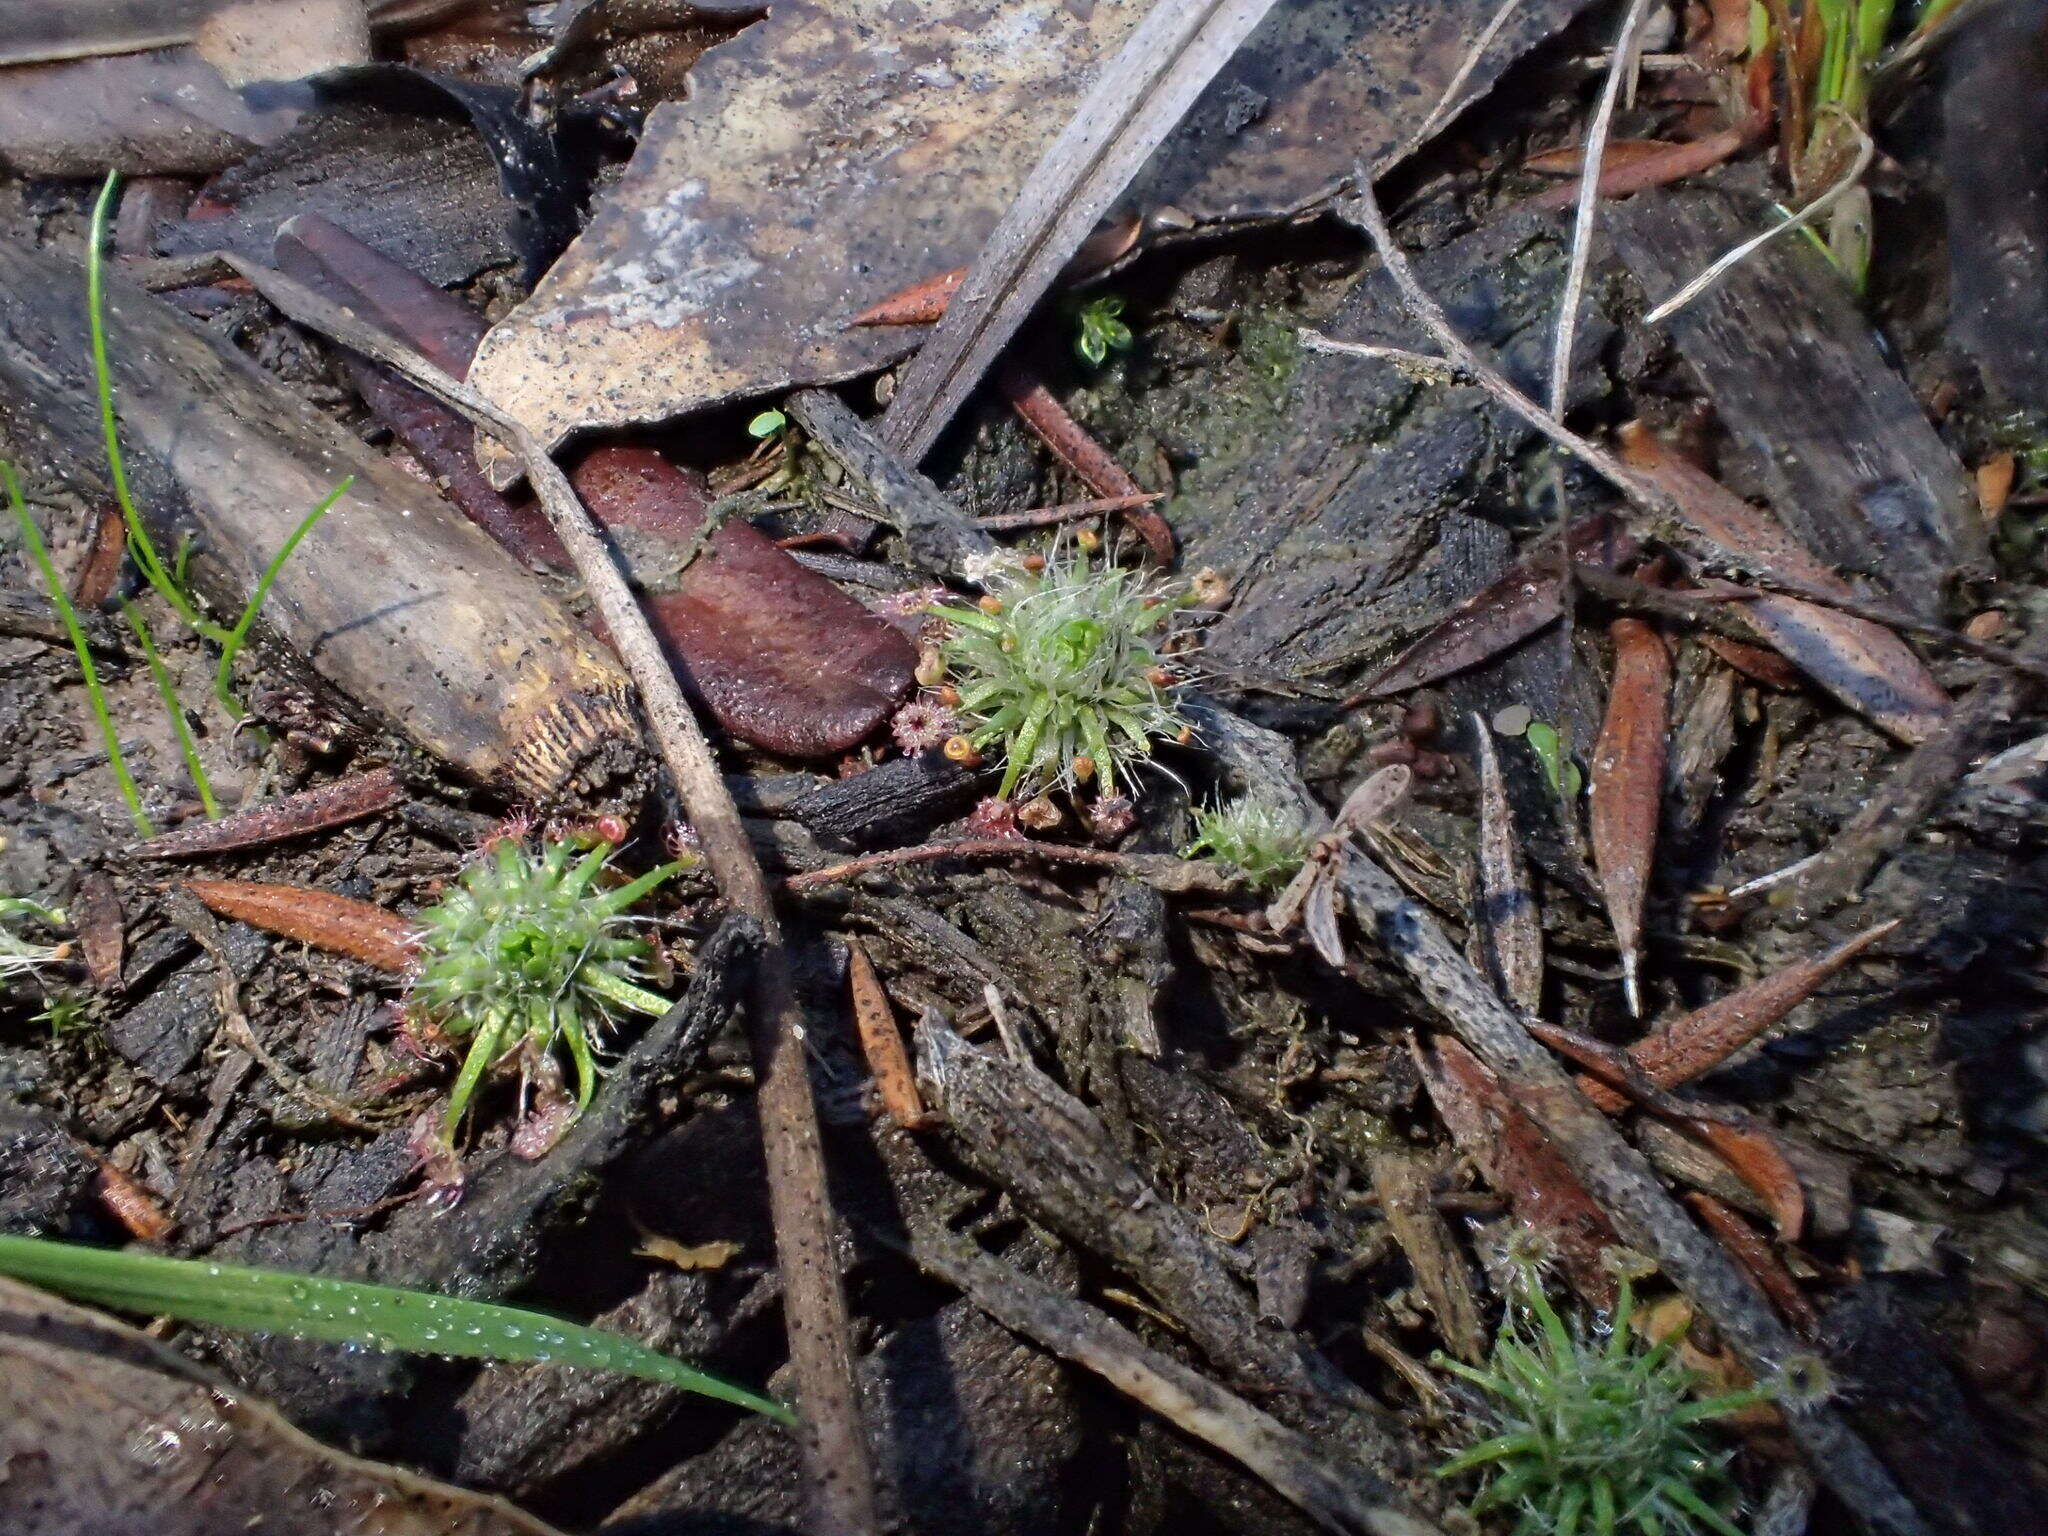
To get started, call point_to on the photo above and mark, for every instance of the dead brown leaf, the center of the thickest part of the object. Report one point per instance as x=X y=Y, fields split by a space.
x=1628 y=785
x=832 y=155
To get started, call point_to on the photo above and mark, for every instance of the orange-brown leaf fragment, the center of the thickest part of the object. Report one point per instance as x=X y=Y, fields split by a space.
x=882 y=1043
x=1697 y=1042
x=922 y=303
x=339 y=924
x=1756 y=1257
x=1521 y=1164
x=1628 y=784
x=1866 y=666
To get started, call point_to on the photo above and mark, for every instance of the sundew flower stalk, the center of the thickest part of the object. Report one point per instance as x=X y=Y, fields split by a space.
x=1060 y=668
x=526 y=952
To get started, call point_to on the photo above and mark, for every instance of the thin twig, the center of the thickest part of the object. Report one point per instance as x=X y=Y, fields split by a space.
x=1362 y=209
x=1619 y=68
x=1866 y=151
x=1448 y=102
x=1140 y=93
x=841 y=1476
x=1066 y=512
x=1338 y=1497
x=1177 y=876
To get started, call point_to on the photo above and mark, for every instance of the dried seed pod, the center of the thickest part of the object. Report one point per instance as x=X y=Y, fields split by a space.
x=1039 y=815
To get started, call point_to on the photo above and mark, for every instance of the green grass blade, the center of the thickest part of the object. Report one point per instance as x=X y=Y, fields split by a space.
x=61 y=600
x=348 y=1312
x=139 y=541
x=231 y=643
x=175 y=710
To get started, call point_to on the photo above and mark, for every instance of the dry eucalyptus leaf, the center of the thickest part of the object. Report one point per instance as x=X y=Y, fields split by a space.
x=829 y=157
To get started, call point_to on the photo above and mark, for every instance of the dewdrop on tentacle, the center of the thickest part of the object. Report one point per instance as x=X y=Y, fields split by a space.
x=1058 y=669
x=526 y=951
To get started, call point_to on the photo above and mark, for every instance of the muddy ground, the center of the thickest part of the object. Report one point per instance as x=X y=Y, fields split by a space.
x=1349 y=505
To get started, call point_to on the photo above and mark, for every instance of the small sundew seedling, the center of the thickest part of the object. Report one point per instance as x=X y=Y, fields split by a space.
x=525 y=952
x=1058 y=666
x=1592 y=1433
x=1264 y=842
x=1100 y=332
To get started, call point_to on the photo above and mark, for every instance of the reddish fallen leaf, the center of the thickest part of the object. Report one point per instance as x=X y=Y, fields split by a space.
x=1522 y=1165
x=446 y=332
x=1759 y=1162
x=338 y=924
x=1501 y=615
x=1758 y=1261
x=1073 y=447
x=1638 y=173
x=777 y=654
x=102 y=929
x=1749 y=1150
x=1695 y=1043
x=881 y=1042
x=1756 y=663
x=1866 y=666
x=310 y=810
x=134 y=1207
x=922 y=303
x=1744 y=534
x=1568 y=160
x=1628 y=785
x=102 y=568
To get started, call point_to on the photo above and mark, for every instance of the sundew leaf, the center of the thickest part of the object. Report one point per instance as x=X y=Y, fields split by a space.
x=348 y=1312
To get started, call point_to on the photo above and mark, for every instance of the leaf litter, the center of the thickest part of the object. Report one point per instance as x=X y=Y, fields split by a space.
x=1569 y=887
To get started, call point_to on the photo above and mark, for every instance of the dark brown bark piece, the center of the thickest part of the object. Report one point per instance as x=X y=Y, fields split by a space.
x=1820 y=422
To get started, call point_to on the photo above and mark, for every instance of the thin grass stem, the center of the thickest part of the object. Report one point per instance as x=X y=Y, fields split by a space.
x=172 y=707
x=61 y=600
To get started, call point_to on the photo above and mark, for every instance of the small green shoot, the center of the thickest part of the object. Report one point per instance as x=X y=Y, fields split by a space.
x=231 y=647
x=1058 y=665
x=1593 y=1434
x=169 y=582
x=525 y=952
x=766 y=425
x=1558 y=768
x=348 y=1312
x=1099 y=332
x=67 y=1012
x=179 y=724
x=1266 y=843
x=88 y=669
x=18 y=957
x=140 y=546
